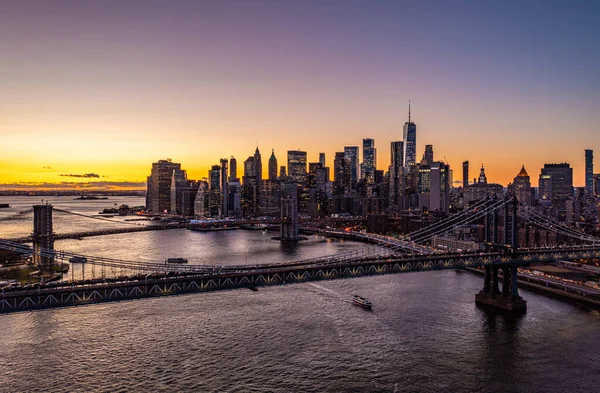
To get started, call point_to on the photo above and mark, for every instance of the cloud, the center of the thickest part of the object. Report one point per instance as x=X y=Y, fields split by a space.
x=46 y=167
x=87 y=175
x=100 y=185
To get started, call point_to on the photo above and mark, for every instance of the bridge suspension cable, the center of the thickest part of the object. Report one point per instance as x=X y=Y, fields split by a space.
x=472 y=217
x=539 y=219
x=95 y=217
x=452 y=221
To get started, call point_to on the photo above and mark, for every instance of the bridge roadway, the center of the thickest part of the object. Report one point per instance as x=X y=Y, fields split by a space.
x=234 y=277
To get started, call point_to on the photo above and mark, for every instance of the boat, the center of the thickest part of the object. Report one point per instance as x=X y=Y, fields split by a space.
x=89 y=198
x=361 y=301
x=78 y=259
x=4 y=205
x=214 y=229
x=177 y=260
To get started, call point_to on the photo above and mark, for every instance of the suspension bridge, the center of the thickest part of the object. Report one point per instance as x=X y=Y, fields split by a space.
x=115 y=279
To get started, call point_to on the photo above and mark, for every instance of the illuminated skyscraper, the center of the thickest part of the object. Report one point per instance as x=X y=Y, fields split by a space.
x=224 y=188
x=556 y=186
x=341 y=171
x=410 y=142
x=158 y=199
x=369 y=160
x=351 y=153
x=396 y=172
x=297 y=165
x=589 y=172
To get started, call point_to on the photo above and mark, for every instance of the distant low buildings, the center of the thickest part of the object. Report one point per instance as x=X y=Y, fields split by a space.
x=481 y=189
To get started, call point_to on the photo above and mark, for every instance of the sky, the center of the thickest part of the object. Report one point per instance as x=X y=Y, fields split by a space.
x=105 y=88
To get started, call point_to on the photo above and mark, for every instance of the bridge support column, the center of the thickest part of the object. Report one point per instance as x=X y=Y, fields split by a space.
x=43 y=238
x=508 y=299
x=289 y=220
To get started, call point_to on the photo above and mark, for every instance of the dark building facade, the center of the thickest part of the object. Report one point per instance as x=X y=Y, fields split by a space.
x=297 y=165
x=158 y=197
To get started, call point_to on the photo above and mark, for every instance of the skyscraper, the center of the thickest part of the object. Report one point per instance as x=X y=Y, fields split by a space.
x=257 y=166
x=428 y=155
x=158 y=199
x=369 y=160
x=248 y=169
x=410 y=142
x=351 y=153
x=297 y=165
x=465 y=173
x=396 y=171
x=233 y=170
x=522 y=187
x=322 y=159
x=589 y=172
x=341 y=171
x=556 y=186
x=224 y=188
x=214 y=197
x=272 y=166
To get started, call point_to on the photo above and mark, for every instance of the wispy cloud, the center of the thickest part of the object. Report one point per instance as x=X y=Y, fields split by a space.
x=86 y=175
x=46 y=167
x=100 y=185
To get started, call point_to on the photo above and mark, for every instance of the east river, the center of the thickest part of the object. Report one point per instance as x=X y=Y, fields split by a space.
x=425 y=333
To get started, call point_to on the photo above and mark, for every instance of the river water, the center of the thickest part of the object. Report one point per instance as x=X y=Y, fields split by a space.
x=425 y=333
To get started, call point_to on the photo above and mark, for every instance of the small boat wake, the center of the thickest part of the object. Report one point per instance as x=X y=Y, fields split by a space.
x=329 y=291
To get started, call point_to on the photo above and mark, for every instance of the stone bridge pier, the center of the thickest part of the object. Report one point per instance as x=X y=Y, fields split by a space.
x=506 y=299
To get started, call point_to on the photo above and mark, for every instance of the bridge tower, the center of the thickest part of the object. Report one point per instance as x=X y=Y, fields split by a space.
x=289 y=219
x=508 y=298
x=43 y=237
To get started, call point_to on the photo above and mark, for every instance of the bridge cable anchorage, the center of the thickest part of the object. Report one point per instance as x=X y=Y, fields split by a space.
x=466 y=220
x=443 y=225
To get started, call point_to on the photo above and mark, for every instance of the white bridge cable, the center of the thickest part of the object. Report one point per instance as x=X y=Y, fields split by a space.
x=468 y=219
x=448 y=220
x=550 y=225
x=563 y=227
x=468 y=216
x=96 y=217
x=532 y=215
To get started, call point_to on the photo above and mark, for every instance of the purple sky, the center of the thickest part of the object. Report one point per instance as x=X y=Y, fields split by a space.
x=111 y=86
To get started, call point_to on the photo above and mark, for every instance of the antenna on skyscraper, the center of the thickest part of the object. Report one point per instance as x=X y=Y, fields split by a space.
x=409 y=111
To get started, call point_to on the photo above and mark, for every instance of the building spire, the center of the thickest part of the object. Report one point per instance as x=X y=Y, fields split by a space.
x=409 y=111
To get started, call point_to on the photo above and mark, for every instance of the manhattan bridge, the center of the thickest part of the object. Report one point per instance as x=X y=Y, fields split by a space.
x=114 y=279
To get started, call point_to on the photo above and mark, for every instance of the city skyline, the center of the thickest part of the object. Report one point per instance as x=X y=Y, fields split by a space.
x=96 y=93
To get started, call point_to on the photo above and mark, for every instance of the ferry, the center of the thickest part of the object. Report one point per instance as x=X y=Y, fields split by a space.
x=361 y=301
x=78 y=260
x=177 y=260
